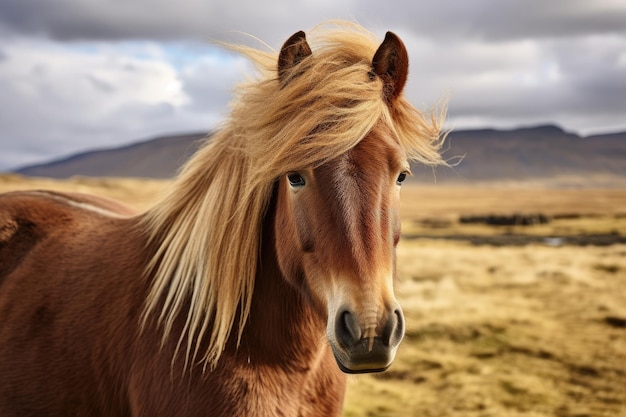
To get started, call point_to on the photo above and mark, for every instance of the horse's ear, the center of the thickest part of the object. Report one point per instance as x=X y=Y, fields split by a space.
x=391 y=64
x=294 y=50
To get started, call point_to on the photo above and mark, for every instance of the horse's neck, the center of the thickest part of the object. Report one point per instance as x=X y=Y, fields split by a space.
x=283 y=325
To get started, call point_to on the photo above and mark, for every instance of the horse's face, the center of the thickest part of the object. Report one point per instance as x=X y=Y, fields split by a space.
x=338 y=227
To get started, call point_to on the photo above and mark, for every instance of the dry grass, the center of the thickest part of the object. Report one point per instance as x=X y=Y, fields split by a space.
x=509 y=331
x=492 y=331
x=435 y=210
x=498 y=198
x=139 y=193
x=506 y=331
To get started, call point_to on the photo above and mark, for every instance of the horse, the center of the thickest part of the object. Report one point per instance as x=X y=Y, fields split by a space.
x=259 y=280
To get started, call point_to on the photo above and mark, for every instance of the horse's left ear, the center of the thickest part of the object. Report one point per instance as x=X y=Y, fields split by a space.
x=391 y=64
x=294 y=50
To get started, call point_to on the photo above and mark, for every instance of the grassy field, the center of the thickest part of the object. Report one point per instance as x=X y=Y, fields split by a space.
x=531 y=329
x=523 y=330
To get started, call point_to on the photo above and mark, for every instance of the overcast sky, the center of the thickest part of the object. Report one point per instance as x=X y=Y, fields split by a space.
x=77 y=75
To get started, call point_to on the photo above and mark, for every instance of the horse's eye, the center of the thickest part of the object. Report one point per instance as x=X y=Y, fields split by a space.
x=401 y=178
x=295 y=179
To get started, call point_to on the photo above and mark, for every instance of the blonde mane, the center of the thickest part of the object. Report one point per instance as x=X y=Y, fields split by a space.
x=207 y=229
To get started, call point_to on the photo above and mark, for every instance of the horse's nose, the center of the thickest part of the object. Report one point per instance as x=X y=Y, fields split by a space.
x=367 y=349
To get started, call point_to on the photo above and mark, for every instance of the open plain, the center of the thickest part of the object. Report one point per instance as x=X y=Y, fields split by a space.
x=504 y=320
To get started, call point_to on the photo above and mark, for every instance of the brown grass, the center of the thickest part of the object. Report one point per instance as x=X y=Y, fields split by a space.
x=492 y=331
x=498 y=198
x=506 y=331
x=139 y=193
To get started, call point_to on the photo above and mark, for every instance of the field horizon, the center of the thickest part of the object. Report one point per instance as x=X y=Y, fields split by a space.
x=545 y=155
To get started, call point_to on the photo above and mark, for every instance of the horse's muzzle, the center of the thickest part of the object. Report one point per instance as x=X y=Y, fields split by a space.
x=356 y=351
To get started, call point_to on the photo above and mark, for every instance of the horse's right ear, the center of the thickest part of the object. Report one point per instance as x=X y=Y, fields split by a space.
x=391 y=64
x=294 y=50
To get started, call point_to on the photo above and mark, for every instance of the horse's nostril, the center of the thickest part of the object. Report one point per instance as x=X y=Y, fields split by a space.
x=347 y=329
x=398 y=333
x=394 y=329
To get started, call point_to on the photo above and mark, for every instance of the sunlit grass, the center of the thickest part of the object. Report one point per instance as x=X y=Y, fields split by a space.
x=139 y=193
x=506 y=331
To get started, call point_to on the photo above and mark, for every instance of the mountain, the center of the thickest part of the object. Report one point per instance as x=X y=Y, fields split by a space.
x=535 y=153
x=155 y=158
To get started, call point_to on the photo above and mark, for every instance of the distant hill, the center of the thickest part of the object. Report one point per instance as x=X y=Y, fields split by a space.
x=155 y=158
x=534 y=153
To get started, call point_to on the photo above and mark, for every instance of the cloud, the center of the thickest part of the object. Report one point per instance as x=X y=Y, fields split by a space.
x=498 y=21
x=76 y=75
x=71 y=20
x=59 y=100
x=574 y=81
x=208 y=82
x=200 y=20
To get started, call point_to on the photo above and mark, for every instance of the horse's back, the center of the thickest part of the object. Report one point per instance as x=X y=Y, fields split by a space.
x=63 y=259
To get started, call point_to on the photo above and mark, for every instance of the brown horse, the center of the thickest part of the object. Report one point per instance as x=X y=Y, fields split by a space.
x=267 y=269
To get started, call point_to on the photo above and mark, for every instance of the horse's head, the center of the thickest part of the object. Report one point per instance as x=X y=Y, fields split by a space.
x=337 y=226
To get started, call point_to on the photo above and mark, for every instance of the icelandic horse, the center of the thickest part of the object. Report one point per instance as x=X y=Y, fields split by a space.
x=256 y=283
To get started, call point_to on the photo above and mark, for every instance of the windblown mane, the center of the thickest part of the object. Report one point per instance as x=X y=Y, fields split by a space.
x=208 y=227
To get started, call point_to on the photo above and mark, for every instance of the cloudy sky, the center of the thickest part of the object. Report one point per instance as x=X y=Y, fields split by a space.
x=83 y=74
